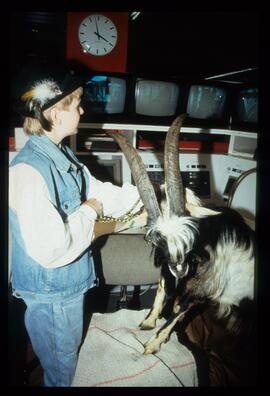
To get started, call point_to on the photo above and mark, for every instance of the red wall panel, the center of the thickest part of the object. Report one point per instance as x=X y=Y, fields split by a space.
x=115 y=61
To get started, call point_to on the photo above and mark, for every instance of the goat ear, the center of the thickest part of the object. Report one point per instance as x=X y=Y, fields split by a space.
x=200 y=211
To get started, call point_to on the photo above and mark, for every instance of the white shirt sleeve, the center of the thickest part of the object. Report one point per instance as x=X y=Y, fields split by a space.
x=48 y=240
x=116 y=200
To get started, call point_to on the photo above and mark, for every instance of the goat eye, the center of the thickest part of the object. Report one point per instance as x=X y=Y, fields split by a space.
x=196 y=259
x=193 y=259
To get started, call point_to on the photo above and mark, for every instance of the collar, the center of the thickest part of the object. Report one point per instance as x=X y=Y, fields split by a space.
x=52 y=151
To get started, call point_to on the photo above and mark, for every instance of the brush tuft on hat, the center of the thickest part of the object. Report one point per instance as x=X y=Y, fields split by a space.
x=42 y=92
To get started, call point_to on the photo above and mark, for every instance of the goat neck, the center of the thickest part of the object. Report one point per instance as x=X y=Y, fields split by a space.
x=173 y=180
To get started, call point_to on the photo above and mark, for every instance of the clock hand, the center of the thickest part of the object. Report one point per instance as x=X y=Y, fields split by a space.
x=97 y=32
x=99 y=36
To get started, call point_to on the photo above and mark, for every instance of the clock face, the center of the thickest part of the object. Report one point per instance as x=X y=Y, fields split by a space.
x=97 y=35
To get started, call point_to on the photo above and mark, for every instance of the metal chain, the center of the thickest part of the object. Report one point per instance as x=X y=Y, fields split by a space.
x=121 y=219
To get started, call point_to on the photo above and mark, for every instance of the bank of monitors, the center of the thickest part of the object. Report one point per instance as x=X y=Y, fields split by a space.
x=137 y=99
x=159 y=101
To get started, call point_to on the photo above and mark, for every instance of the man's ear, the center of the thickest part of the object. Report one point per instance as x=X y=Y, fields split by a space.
x=54 y=115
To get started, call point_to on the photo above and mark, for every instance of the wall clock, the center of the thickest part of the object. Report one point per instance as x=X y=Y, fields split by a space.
x=98 y=40
x=97 y=35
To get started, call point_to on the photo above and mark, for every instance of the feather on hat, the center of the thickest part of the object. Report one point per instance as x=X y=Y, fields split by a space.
x=42 y=92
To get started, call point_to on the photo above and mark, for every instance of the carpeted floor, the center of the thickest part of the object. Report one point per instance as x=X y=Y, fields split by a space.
x=112 y=355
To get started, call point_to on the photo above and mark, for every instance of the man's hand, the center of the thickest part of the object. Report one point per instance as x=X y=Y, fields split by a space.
x=96 y=205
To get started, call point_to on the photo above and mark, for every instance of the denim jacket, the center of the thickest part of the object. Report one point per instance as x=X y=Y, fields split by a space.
x=68 y=187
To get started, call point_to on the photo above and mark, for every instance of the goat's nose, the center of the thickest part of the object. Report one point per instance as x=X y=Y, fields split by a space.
x=182 y=270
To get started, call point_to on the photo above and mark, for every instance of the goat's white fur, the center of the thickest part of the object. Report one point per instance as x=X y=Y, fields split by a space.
x=233 y=278
x=179 y=233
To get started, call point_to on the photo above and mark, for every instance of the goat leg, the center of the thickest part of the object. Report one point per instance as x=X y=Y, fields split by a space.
x=153 y=345
x=150 y=321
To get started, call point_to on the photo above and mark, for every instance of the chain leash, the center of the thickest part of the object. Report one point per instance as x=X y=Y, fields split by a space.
x=122 y=219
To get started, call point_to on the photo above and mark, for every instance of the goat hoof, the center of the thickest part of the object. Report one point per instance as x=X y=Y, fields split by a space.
x=144 y=325
x=151 y=347
x=147 y=352
x=148 y=349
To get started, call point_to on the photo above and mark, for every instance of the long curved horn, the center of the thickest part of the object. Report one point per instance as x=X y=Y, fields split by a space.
x=140 y=176
x=173 y=180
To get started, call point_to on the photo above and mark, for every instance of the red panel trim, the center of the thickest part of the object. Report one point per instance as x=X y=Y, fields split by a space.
x=115 y=61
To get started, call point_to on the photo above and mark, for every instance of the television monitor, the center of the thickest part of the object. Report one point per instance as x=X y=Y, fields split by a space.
x=105 y=97
x=208 y=104
x=106 y=168
x=245 y=112
x=157 y=101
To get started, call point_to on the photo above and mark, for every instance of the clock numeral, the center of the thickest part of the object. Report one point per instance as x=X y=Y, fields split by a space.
x=106 y=21
x=113 y=36
x=84 y=25
x=97 y=51
x=111 y=44
x=112 y=28
x=105 y=49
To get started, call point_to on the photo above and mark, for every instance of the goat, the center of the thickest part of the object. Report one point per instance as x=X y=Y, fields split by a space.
x=209 y=252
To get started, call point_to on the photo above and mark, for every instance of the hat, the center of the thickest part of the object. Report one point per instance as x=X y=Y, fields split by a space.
x=39 y=86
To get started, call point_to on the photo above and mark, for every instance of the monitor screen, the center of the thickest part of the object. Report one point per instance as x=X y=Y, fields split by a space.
x=104 y=169
x=247 y=105
x=156 y=98
x=206 y=102
x=104 y=95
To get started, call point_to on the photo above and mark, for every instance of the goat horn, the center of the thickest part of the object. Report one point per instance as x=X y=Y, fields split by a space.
x=140 y=176
x=173 y=180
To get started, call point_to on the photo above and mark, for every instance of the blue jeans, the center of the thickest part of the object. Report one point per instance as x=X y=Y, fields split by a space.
x=55 y=330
